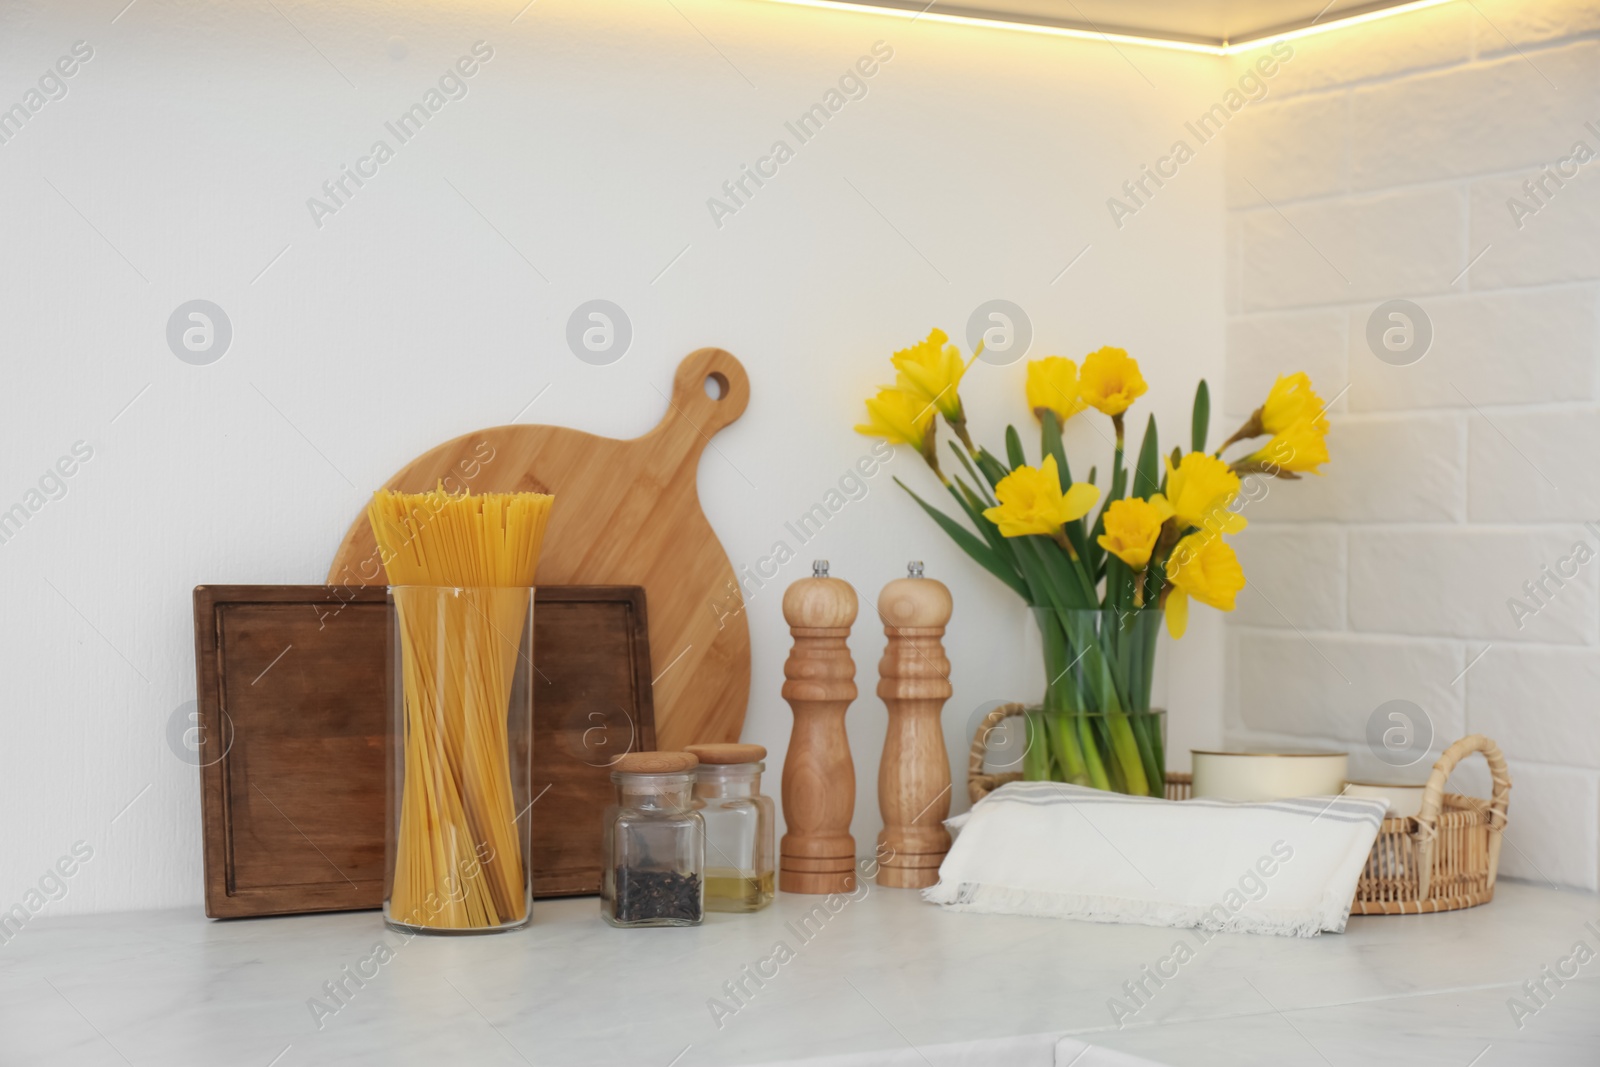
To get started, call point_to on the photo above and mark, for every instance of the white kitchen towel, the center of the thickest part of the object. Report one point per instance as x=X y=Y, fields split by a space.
x=1045 y=848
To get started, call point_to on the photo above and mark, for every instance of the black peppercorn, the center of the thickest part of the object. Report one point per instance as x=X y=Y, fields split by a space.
x=646 y=895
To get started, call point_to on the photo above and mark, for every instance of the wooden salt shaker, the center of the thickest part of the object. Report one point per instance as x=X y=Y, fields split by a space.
x=817 y=854
x=914 y=777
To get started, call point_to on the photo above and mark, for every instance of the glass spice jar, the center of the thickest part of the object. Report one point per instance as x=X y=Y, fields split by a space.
x=654 y=843
x=740 y=824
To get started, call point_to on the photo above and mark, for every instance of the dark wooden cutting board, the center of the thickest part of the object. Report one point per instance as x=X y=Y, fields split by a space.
x=293 y=710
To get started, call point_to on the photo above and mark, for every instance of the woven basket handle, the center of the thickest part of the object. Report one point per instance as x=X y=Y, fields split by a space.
x=978 y=783
x=1433 y=792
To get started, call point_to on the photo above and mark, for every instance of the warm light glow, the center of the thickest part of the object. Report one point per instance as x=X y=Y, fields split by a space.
x=1225 y=49
x=1054 y=31
x=1335 y=24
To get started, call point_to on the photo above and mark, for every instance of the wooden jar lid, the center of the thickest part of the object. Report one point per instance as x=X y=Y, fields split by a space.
x=655 y=763
x=727 y=753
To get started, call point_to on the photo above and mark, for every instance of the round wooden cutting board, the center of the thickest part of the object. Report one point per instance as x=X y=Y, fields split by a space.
x=626 y=513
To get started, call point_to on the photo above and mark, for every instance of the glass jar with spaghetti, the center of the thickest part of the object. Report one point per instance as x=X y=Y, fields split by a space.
x=460 y=570
x=460 y=761
x=654 y=850
x=740 y=825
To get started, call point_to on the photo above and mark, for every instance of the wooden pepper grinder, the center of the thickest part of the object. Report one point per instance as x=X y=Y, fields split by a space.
x=818 y=855
x=914 y=777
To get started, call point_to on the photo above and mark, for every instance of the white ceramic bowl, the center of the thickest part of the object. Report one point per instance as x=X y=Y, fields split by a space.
x=1404 y=800
x=1268 y=775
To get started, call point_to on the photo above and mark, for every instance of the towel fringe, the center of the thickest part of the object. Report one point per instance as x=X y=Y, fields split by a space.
x=1008 y=900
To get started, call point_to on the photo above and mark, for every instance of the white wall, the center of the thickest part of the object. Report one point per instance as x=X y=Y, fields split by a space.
x=179 y=164
x=1381 y=168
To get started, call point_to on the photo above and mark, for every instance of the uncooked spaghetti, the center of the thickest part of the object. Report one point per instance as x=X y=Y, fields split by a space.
x=461 y=571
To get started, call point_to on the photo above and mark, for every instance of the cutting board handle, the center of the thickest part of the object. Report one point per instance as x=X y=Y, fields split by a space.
x=702 y=370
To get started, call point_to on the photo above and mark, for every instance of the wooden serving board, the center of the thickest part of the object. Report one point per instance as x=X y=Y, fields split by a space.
x=293 y=707
x=626 y=513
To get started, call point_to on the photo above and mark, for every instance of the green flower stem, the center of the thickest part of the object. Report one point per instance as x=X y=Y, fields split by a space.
x=1148 y=734
x=1069 y=752
x=1089 y=665
x=1036 y=757
x=1129 y=759
x=1091 y=753
x=1158 y=752
x=1100 y=675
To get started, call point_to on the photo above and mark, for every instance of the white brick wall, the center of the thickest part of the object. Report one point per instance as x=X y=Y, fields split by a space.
x=1380 y=167
x=1477 y=333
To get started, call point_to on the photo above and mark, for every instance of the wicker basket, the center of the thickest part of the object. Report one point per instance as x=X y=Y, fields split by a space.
x=1444 y=858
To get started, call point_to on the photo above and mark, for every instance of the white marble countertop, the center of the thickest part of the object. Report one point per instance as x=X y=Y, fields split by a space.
x=886 y=973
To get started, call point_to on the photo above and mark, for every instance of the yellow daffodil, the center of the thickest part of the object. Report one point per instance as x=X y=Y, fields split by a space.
x=932 y=370
x=1202 y=566
x=1292 y=400
x=1110 y=381
x=1053 y=386
x=1295 y=417
x=899 y=418
x=1300 y=447
x=1132 y=526
x=1031 y=501
x=1200 y=488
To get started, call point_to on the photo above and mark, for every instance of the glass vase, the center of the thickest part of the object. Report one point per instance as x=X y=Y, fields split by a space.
x=461 y=759
x=1100 y=723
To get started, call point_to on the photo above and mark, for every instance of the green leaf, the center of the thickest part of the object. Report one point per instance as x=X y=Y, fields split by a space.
x=1038 y=557
x=1050 y=445
x=973 y=474
x=974 y=507
x=1068 y=573
x=1014 y=451
x=1032 y=573
x=1079 y=539
x=1202 y=416
x=1119 y=584
x=969 y=543
x=1146 y=478
x=993 y=472
x=1093 y=555
x=1155 y=576
x=1119 y=483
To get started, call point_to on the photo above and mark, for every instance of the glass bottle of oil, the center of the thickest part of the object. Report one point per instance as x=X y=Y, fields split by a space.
x=739 y=825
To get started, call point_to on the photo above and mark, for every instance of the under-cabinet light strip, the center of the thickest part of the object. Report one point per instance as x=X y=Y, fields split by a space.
x=1228 y=48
